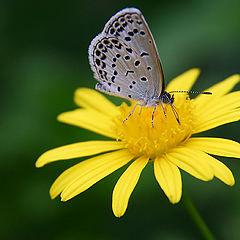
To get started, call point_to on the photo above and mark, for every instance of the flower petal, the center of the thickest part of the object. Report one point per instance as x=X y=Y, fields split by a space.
x=169 y=178
x=217 y=120
x=86 y=173
x=125 y=185
x=89 y=119
x=221 y=171
x=77 y=150
x=192 y=161
x=219 y=106
x=184 y=81
x=218 y=89
x=215 y=146
x=89 y=98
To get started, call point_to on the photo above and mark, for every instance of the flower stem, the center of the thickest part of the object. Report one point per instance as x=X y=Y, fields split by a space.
x=194 y=214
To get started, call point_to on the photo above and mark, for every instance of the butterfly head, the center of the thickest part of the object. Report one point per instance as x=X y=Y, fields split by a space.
x=166 y=97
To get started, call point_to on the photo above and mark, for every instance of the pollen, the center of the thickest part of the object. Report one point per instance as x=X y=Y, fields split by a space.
x=141 y=138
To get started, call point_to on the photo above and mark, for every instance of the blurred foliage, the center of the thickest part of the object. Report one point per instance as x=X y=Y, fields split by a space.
x=44 y=59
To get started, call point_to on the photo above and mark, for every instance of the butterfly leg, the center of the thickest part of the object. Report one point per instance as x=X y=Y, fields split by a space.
x=155 y=107
x=163 y=109
x=175 y=113
x=140 y=109
x=138 y=104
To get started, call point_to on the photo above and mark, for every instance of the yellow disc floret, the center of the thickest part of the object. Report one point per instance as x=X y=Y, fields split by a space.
x=141 y=138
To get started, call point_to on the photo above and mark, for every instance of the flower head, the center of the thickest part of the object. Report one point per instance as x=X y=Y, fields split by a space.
x=168 y=145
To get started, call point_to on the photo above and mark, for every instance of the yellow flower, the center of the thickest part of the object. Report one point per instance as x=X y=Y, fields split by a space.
x=168 y=145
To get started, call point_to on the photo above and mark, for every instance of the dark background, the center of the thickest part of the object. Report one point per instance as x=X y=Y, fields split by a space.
x=44 y=58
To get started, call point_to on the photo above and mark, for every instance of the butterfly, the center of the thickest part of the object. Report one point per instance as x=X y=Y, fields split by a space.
x=126 y=63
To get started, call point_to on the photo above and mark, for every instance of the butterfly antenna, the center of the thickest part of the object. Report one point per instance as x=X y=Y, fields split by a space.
x=195 y=92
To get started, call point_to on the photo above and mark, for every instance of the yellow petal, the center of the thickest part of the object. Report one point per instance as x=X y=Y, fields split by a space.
x=77 y=150
x=221 y=171
x=184 y=81
x=169 y=178
x=192 y=161
x=215 y=146
x=218 y=89
x=217 y=120
x=125 y=185
x=89 y=98
x=218 y=106
x=89 y=119
x=83 y=175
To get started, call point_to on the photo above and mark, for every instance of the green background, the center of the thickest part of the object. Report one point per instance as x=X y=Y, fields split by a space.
x=44 y=58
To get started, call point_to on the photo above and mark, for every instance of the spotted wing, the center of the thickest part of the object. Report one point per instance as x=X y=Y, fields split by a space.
x=124 y=58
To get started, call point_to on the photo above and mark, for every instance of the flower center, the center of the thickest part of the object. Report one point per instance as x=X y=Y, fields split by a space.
x=141 y=138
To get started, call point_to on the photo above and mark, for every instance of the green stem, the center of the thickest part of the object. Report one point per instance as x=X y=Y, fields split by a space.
x=194 y=214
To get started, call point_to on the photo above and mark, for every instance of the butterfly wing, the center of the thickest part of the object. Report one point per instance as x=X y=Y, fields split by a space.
x=124 y=58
